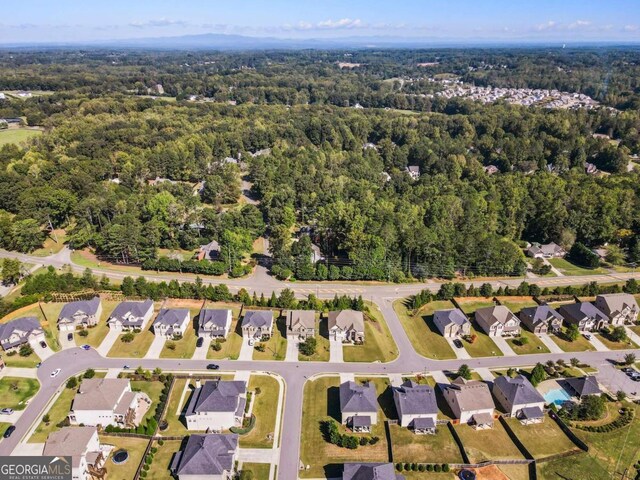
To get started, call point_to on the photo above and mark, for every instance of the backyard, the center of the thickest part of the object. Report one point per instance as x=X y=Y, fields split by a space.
x=153 y=390
x=438 y=448
x=16 y=391
x=136 y=448
x=159 y=469
x=491 y=444
x=542 y=439
x=57 y=413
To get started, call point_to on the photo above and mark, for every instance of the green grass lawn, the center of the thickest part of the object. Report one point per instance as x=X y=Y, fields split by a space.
x=470 y=304
x=483 y=346
x=135 y=349
x=613 y=345
x=15 y=391
x=276 y=347
x=438 y=448
x=575 y=467
x=183 y=348
x=135 y=447
x=580 y=344
x=4 y=426
x=322 y=343
x=572 y=270
x=491 y=444
x=17 y=135
x=96 y=334
x=265 y=409
x=533 y=345
x=515 y=304
x=57 y=413
x=176 y=427
x=259 y=470
x=321 y=402
x=18 y=361
x=159 y=469
x=378 y=342
x=424 y=336
x=153 y=389
x=542 y=439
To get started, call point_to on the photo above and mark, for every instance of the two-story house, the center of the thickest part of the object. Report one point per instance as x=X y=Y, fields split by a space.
x=206 y=457
x=358 y=405
x=82 y=444
x=498 y=321
x=214 y=322
x=346 y=326
x=216 y=405
x=470 y=401
x=171 y=322
x=21 y=331
x=620 y=308
x=130 y=315
x=519 y=399
x=301 y=324
x=541 y=319
x=416 y=406
x=80 y=314
x=452 y=323
x=585 y=315
x=257 y=324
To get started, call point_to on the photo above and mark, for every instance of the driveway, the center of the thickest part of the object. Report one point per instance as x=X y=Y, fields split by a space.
x=246 y=351
x=335 y=351
x=201 y=352
x=108 y=342
x=599 y=346
x=43 y=353
x=156 y=347
x=256 y=455
x=504 y=346
x=459 y=352
x=549 y=343
x=292 y=349
x=19 y=372
x=485 y=374
x=632 y=335
x=63 y=338
x=613 y=380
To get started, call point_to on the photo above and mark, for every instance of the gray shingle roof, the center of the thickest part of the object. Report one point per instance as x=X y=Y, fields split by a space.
x=532 y=413
x=517 y=390
x=257 y=318
x=304 y=318
x=614 y=303
x=24 y=324
x=584 y=385
x=346 y=320
x=541 y=313
x=171 y=316
x=446 y=317
x=421 y=423
x=216 y=316
x=131 y=314
x=216 y=396
x=358 y=398
x=211 y=454
x=414 y=399
x=69 y=441
x=88 y=307
x=370 y=471
x=578 y=311
x=495 y=314
x=471 y=394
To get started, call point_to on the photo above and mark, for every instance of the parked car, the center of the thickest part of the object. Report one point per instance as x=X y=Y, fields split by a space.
x=86 y=347
x=43 y=344
x=9 y=431
x=457 y=343
x=126 y=367
x=70 y=337
x=213 y=366
x=199 y=342
x=38 y=365
x=628 y=370
x=55 y=373
x=587 y=336
x=6 y=411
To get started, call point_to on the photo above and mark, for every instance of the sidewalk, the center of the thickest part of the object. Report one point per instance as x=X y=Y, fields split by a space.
x=635 y=338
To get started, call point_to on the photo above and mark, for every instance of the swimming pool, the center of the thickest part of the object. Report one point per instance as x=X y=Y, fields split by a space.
x=557 y=396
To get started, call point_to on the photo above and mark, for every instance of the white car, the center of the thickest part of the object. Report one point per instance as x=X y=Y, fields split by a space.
x=55 y=373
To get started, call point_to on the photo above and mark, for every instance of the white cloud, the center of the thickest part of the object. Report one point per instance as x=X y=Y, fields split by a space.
x=551 y=24
x=343 y=23
x=160 y=22
x=631 y=28
x=579 y=24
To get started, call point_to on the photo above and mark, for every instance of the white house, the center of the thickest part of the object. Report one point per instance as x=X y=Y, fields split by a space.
x=80 y=314
x=498 y=321
x=621 y=308
x=15 y=333
x=518 y=398
x=108 y=401
x=416 y=406
x=214 y=322
x=216 y=406
x=257 y=324
x=346 y=326
x=82 y=444
x=470 y=401
x=131 y=315
x=452 y=323
x=171 y=322
x=549 y=250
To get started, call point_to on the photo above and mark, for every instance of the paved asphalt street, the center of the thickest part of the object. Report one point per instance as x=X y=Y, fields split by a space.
x=75 y=360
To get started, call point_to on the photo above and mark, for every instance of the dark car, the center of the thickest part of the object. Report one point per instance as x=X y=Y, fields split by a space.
x=9 y=431
x=457 y=343
x=213 y=366
x=43 y=344
x=199 y=342
x=70 y=337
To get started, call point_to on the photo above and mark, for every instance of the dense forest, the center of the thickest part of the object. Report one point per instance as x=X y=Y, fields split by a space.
x=127 y=174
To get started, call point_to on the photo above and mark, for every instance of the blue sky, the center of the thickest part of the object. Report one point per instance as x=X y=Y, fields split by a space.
x=508 y=20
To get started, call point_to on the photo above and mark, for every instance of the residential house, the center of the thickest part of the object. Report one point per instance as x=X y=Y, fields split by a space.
x=491 y=169
x=210 y=251
x=620 y=308
x=541 y=319
x=413 y=171
x=585 y=315
x=358 y=405
x=416 y=406
x=206 y=457
x=80 y=314
x=216 y=405
x=108 y=401
x=346 y=326
x=370 y=471
x=519 y=399
x=257 y=324
x=21 y=331
x=301 y=324
x=583 y=386
x=171 y=322
x=452 y=323
x=498 y=321
x=470 y=402
x=214 y=322
x=82 y=444
x=601 y=252
x=131 y=315
x=549 y=250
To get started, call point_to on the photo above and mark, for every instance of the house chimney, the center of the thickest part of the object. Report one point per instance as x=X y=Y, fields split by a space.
x=198 y=384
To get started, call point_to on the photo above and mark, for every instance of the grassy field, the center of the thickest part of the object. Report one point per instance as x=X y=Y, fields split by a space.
x=21 y=362
x=378 y=344
x=16 y=391
x=321 y=403
x=573 y=270
x=162 y=460
x=322 y=343
x=613 y=345
x=470 y=304
x=51 y=245
x=491 y=444
x=515 y=304
x=259 y=470
x=424 y=336
x=580 y=344
x=135 y=349
x=17 y=135
x=183 y=348
x=542 y=439
x=438 y=448
x=575 y=467
x=265 y=409
x=176 y=427
x=276 y=347
x=135 y=447
x=97 y=333
x=533 y=345
x=57 y=413
x=483 y=345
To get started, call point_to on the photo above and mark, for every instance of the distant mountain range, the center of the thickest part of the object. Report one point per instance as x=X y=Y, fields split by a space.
x=219 y=41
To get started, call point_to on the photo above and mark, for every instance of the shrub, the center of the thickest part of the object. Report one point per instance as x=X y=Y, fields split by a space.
x=437 y=467
x=89 y=373
x=399 y=467
x=160 y=442
x=429 y=468
x=72 y=382
x=83 y=333
x=421 y=467
x=127 y=337
x=414 y=467
x=143 y=474
x=216 y=346
x=445 y=467
x=46 y=418
x=407 y=467
x=25 y=350
x=171 y=345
